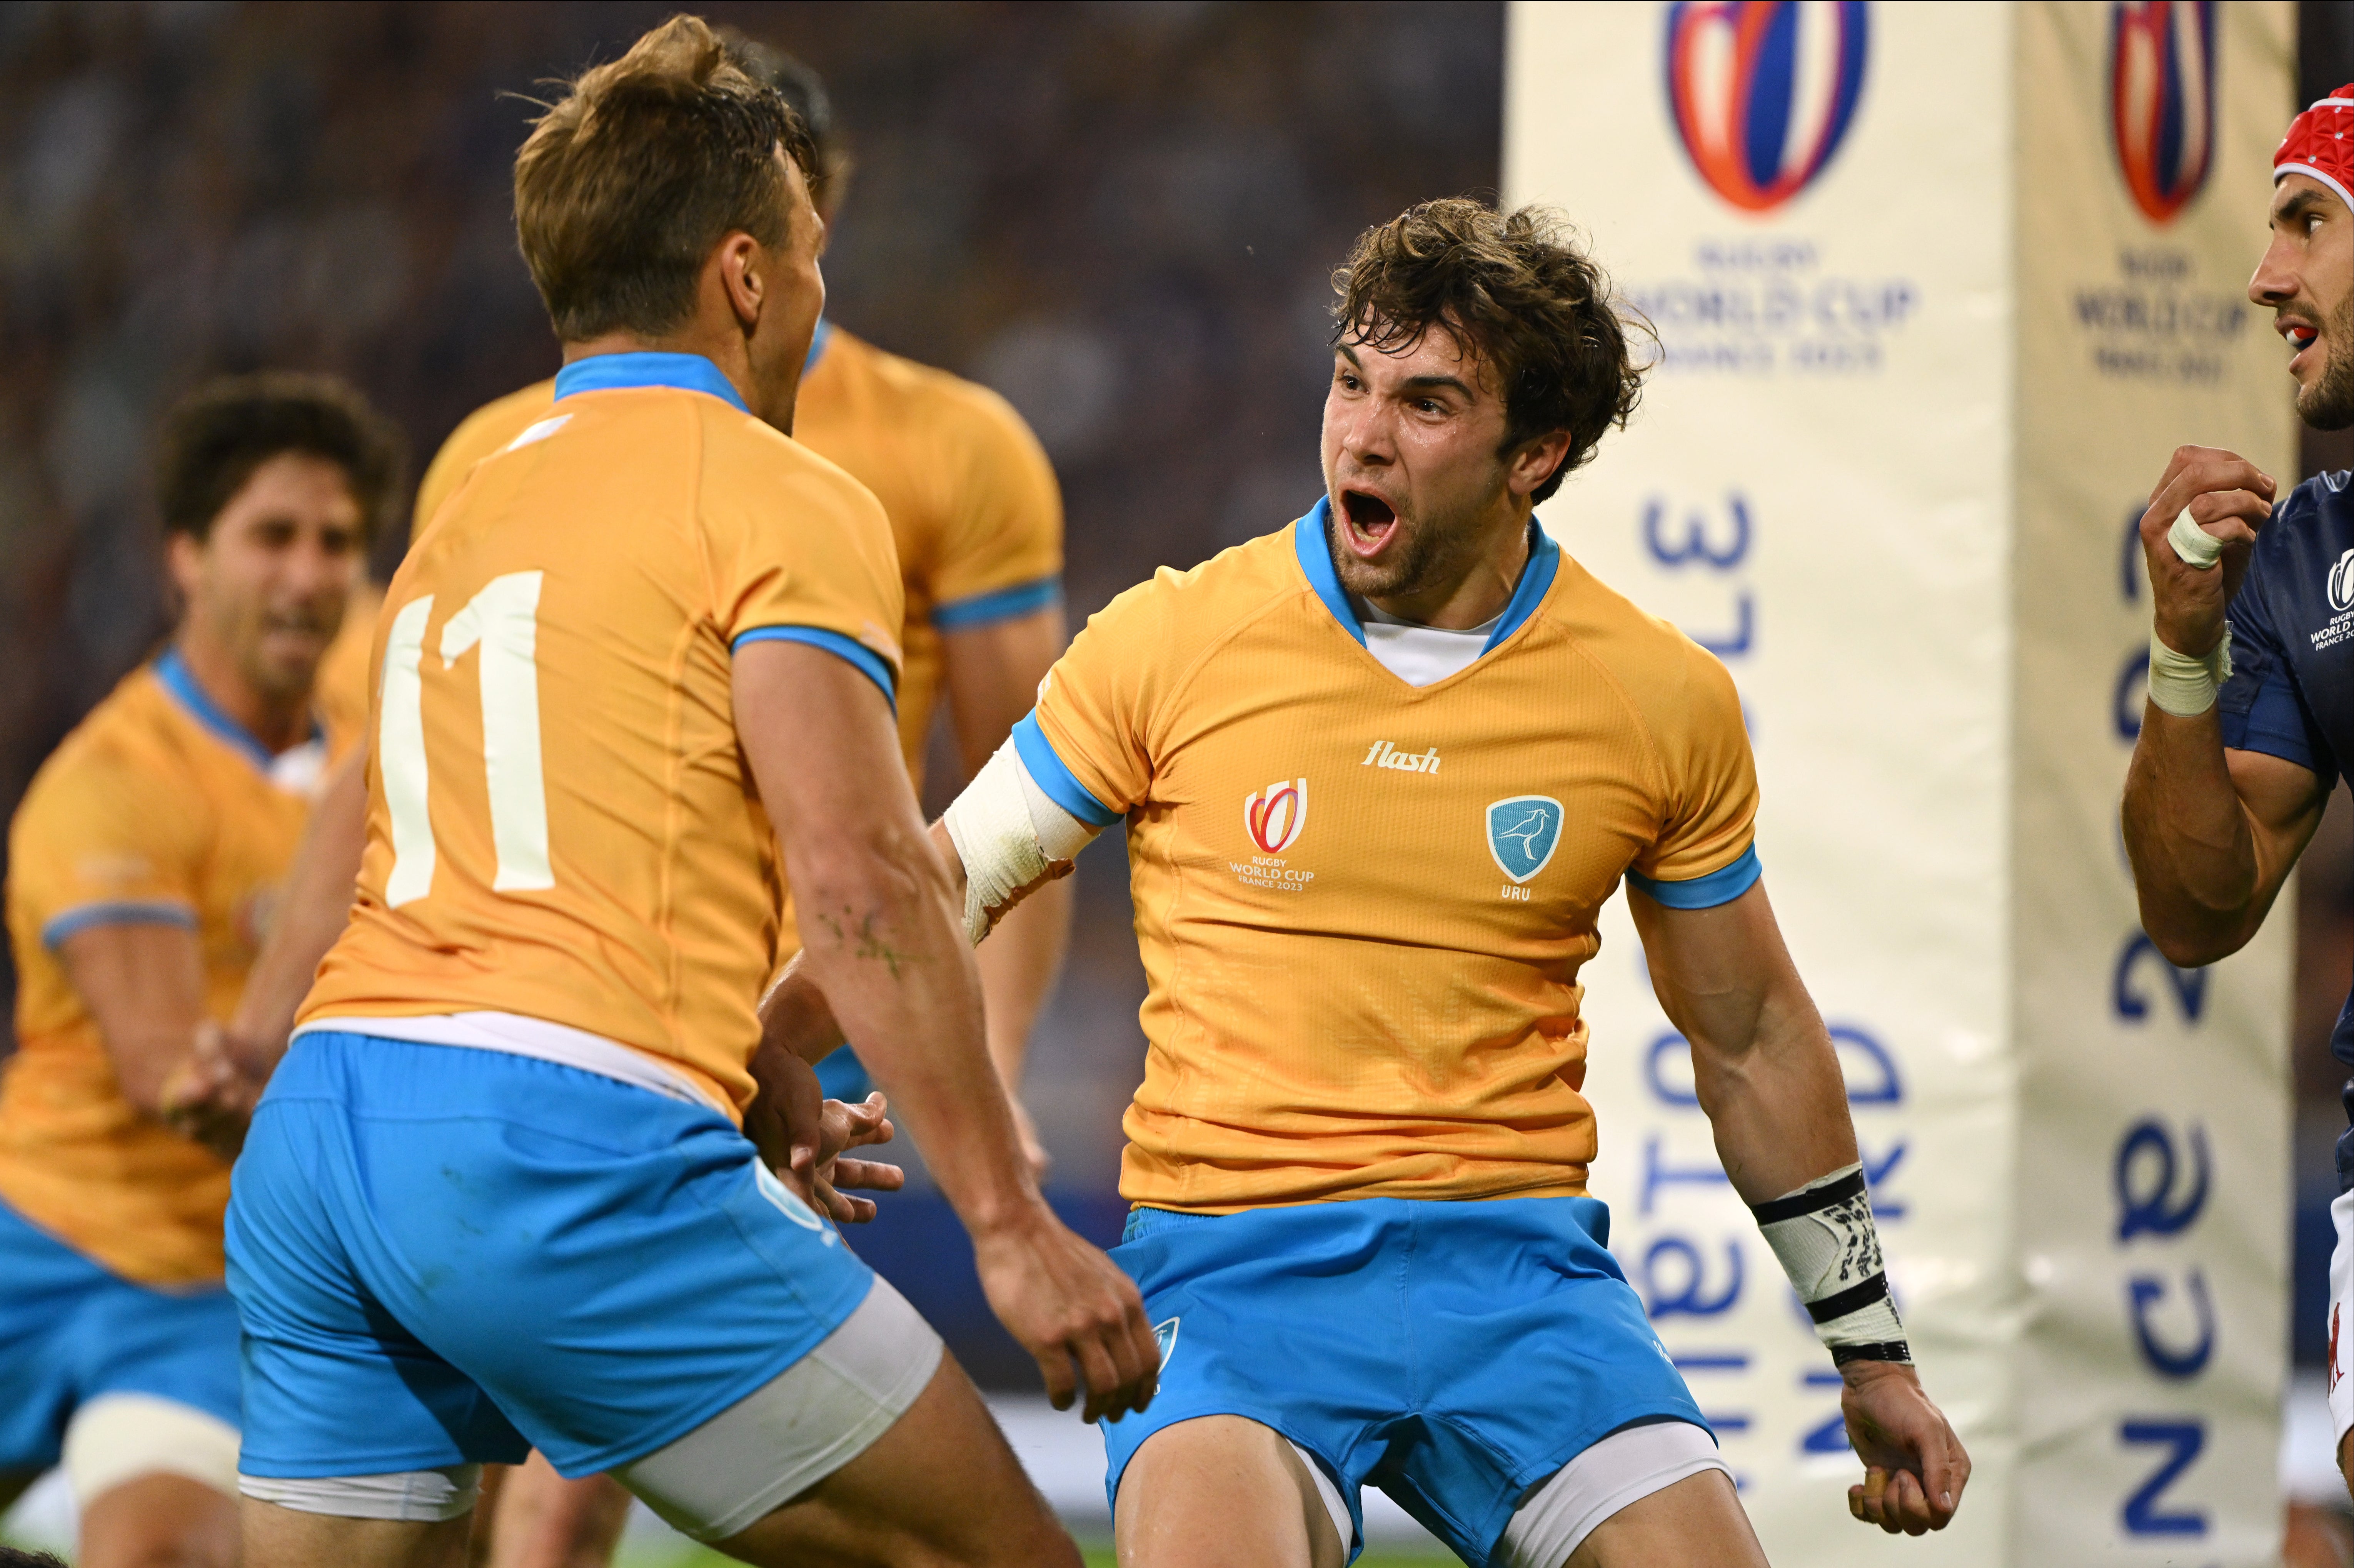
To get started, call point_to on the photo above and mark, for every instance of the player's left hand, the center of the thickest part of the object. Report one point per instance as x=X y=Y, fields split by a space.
x=802 y=1136
x=1915 y=1468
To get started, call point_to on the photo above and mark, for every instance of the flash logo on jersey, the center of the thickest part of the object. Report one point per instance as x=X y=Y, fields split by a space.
x=1523 y=833
x=1275 y=815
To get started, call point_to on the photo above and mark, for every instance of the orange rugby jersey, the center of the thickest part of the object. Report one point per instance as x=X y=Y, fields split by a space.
x=972 y=502
x=1361 y=905
x=559 y=824
x=159 y=807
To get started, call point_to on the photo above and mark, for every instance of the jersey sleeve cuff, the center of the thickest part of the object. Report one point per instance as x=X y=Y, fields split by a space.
x=1060 y=784
x=867 y=661
x=116 y=911
x=998 y=604
x=1722 y=887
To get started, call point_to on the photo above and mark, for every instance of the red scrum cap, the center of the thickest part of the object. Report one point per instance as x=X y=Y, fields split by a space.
x=2320 y=144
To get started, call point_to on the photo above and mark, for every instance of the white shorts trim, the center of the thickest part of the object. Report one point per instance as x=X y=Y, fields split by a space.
x=520 y=1036
x=1625 y=1468
x=118 y=1437
x=2341 y=1332
x=1333 y=1502
x=812 y=1419
x=407 y=1496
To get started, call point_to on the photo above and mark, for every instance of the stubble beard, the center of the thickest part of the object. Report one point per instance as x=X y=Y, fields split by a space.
x=2329 y=403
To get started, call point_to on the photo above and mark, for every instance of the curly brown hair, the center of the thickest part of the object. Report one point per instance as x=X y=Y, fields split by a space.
x=215 y=437
x=625 y=184
x=1512 y=289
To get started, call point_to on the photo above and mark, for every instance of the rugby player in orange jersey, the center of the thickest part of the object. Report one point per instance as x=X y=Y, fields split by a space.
x=1358 y=1158
x=501 y=1192
x=978 y=522
x=145 y=865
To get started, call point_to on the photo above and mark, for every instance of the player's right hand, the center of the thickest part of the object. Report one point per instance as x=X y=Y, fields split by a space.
x=1072 y=1309
x=2230 y=498
x=1914 y=1465
x=210 y=1097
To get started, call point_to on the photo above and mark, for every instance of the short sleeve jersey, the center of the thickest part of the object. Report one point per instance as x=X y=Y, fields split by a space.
x=974 y=509
x=158 y=809
x=559 y=821
x=2291 y=693
x=1362 y=905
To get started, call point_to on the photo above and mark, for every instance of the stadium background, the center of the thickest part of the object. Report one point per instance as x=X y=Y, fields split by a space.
x=1120 y=215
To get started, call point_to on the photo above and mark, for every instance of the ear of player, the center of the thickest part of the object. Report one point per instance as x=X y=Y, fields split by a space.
x=1824 y=1236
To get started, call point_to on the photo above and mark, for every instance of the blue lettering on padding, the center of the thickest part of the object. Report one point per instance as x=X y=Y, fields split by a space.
x=2141 y=1515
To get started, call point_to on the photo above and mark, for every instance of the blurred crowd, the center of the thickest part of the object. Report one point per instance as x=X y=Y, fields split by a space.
x=1121 y=216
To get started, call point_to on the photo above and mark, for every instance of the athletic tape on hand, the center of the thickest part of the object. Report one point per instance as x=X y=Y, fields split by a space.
x=1825 y=1239
x=2182 y=685
x=1009 y=834
x=2199 y=549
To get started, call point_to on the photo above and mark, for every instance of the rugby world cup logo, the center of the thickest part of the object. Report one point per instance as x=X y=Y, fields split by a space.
x=1275 y=815
x=1763 y=92
x=2162 y=99
x=2342 y=582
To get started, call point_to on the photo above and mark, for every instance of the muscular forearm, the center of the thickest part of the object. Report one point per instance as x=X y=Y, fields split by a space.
x=311 y=915
x=880 y=946
x=2196 y=858
x=1018 y=967
x=1778 y=1106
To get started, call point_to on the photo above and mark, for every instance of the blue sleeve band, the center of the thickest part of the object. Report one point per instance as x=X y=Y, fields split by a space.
x=126 y=912
x=1061 y=784
x=867 y=661
x=1000 y=604
x=1703 y=892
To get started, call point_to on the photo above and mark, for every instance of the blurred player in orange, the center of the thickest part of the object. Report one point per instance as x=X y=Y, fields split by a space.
x=1358 y=1159
x=978 y=521
x=145 y=866
x=504 y=1190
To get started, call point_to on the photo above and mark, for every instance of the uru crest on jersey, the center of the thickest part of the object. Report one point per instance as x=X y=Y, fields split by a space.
x=1763 y=92
x=2162 y=99
x=2342 y=582
x=1523 y=833
x=1274 y=816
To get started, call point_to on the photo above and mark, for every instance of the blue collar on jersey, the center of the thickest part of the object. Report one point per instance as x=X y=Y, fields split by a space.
x=688 y=372
x=172 y=671
x=611 y=372
x=1310 y=535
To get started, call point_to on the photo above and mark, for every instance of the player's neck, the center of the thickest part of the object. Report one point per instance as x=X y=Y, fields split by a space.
x=279 y=723
x=1479 y=593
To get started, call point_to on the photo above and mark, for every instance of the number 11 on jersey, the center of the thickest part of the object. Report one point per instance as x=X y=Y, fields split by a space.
x=503 y=622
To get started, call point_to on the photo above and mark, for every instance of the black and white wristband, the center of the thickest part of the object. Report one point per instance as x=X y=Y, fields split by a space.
x=1826 y=1241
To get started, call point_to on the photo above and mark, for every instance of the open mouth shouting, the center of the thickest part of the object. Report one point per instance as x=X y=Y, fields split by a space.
x=1369 y=522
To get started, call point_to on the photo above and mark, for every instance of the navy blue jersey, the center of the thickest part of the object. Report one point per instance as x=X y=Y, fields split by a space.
x=2291 y=693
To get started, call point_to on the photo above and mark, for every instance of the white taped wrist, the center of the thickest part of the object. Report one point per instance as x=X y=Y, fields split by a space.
x=2182 y=685
x=1009 y=834
x=1824 y=1236
x=2199 y=549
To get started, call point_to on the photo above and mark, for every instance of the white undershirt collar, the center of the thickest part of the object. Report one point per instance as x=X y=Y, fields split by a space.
x=1420 y=655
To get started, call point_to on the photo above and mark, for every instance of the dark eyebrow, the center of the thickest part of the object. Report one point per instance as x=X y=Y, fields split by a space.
x=2297 y=206
x=1433 y=383
x=1350 y=355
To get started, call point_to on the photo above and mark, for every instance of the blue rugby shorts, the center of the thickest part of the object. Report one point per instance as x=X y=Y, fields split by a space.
x=1454 y=1354
x=445 y=1255
x=71 y=1330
